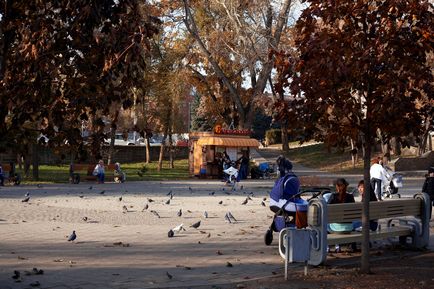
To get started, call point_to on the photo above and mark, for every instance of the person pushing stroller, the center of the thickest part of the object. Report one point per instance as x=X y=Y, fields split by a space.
x=285 y=200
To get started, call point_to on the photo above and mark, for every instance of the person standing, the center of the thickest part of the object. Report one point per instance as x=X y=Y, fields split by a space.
x=244 y=166
x=99 y=172
x=428 y=187
x=377 y=174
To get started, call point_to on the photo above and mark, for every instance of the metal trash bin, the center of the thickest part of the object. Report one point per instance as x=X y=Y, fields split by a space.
x=297 y=244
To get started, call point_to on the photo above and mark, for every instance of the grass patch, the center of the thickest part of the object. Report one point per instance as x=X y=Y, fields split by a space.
x=60 y=174
x=316 y=156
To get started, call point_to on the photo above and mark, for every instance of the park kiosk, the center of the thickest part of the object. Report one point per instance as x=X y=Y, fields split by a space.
x=206 y=149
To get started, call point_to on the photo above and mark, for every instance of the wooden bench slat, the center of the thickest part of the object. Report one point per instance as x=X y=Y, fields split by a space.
x=333 y=239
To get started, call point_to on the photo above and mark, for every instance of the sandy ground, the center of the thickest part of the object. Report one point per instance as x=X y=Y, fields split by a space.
x=118 y=249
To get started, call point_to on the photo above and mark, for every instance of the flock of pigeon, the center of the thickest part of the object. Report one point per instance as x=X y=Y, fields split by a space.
x=228 y=217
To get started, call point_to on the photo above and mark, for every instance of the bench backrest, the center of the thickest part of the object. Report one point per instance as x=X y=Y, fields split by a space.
x=90 y=167
x=348 y=212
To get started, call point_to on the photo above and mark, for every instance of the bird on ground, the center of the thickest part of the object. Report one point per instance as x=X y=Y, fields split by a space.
x=227 y=193
x=212 y=193
x=72 y=237
x=221 y=202
x=85 y=219
x=179 y=228
x=120 y=199
x=155 y=213
x=81 y=196
x=150 y=200
x=168 y=275
x=241 y=187
x=124 y=209
x=145 y=207
x=167 y=202
x=231 y=216
x=179 y=213
x=227 y=218
x=251 y=194
x=196 y=225
x=171 y=196
x=169 y=193
x=245 y=201
x=264 y=199
x=27 y=194
x=250 y=199
x=263 y=204
x=205 y=214
x=17 y=275
x=102 y=192
x=26 y=199
x=170 y=234
x=190 y=189
x=90 y=188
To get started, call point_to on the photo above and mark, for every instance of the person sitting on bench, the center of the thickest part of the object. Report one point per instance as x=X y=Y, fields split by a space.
x=119 y=174
x=373 y=224
x=99 y=172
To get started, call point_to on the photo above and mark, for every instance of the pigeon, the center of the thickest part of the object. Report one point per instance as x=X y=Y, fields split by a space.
x=179 y=213
x=188 y=211
x=27 y=194
x=264 y=199
x=221 y=202
x=16 y=275
x=150 y=200
x=179 y=228
x=249 y=198
x=251 y=194
x=124 y=209
x=26 y=199
x=170 y=234
x=145 y=207
x=169 y=193
x=231 y=216
x=241 y=187
x=90 y=188
x=245 y=201
x=205 y=214
x=120 y=199
x=167 y=202
x=196 y=225
x=263 y=204
x=190 y=189
x=227 y=193
x=85 y=219
x=81 y=196
x=212 y=193
x=227 y=218
x=155 y=213
x=102 y=192
x=171 y=196
x=229 y=264
x=168 y=275
x=72 y=237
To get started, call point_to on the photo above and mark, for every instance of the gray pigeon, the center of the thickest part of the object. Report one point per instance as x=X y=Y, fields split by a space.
x=264 y=199
x=168 y=275
x=26 y=199
x=169 y=193
x=179 y=213
x=190 y=189
x=90 y=188
x=263 y=204
x=227 y=218
x=212 y=193
x=150 y=200
x=85 y=219
x=27 y=194
x=124 y=209
x=155 y=213
x=196 y=225
x=167 y=202
x=120 y=199
x=231 y=216
x=245 y=201
x=221 y=202
x=171 y=196
x=72 y=237
x=205 y=214
x=145 y=207
x=102 y=192
x=170 y=234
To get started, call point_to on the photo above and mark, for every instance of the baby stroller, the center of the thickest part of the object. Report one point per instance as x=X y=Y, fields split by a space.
x=232 y=173
x=265 y=170
x=391 y=182
x=292 y=214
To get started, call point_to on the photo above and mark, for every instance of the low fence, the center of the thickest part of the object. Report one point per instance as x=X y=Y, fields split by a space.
x=122 y=154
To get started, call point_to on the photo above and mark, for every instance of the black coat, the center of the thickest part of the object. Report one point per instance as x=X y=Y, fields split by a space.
x=428 y=187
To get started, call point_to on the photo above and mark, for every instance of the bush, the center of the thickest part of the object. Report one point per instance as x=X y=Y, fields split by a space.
x=273 y=136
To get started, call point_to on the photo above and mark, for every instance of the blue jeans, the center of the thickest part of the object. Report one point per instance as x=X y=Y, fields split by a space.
x=100 y=177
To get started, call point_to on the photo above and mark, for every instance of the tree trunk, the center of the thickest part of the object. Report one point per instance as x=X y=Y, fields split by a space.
x=171 y=161
x=147 y=148
x=365 y=268
x=162 y=148
x=111 y=145
x=35 y=161
x=353 y=153
x=284 y=136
